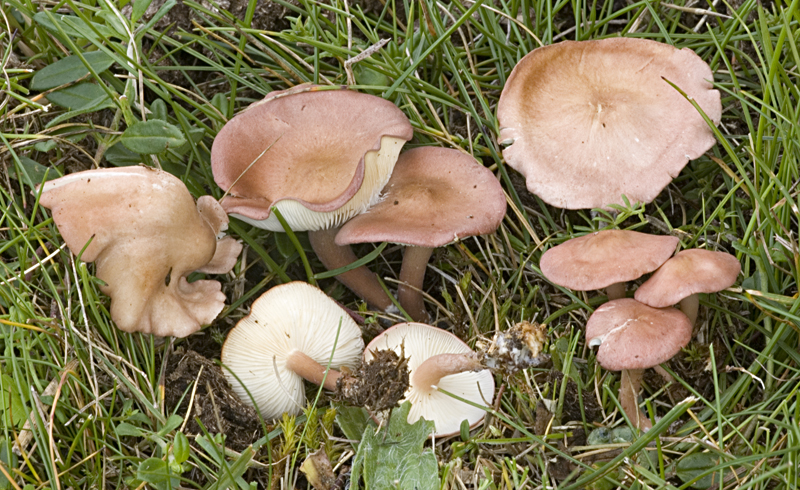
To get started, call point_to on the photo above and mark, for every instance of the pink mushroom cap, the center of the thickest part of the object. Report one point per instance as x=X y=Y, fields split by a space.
x=145 y=234
x=591 y=121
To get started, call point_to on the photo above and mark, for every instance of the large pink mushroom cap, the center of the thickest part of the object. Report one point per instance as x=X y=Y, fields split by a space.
x=591 y=121
x=320 y=156
x=145 y=234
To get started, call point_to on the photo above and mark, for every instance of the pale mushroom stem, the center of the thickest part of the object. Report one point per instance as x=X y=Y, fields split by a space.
x=310 y=370
x=412 y=273
x=430 y=372
x=615 y=291
x=689 y=306
x=629 y=387
x=360 y=280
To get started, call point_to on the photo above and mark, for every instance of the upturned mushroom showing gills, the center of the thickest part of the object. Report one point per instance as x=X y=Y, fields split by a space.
x=606 y=259
x=435 y=197
x=588 y=122
x=292 y=332
x=146 y=234
x=320 y=157
x=438 y=360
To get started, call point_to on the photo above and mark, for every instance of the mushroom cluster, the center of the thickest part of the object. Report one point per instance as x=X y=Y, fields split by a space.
x=635 y=334
x=329 y=161
x=295 y=332
x=595 y=123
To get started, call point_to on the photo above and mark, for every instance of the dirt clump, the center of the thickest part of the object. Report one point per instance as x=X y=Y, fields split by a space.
x=377 y=384
x=213 y=402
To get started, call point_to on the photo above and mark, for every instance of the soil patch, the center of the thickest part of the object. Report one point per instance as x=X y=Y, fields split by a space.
x=214 y=403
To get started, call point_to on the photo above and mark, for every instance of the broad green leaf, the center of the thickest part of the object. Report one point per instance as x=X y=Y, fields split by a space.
x=220 y=101
x=180 y=447
x=195 y=136
x=139 y=8
x=172 y=423
x=119 y=156
x=157 y=473
x=352 y=420
x=395 y=457
x=100 y=104
x=45 y=146
x=32 y=172
x=91 y=30
x=114 y=23
x=69 y=69
x=126 y=429
x=72 y=26
x=158 y=108
x=367 y=76
x=231 y=477
x=79 y=96
x=152 y=137
x=696 y=464
x=12 y=407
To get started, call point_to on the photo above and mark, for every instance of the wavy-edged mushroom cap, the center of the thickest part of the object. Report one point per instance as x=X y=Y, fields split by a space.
x=291 y=318
x=604 y=258
x=689 y=272
x=420 y=342
x=147 y=234
x=593 y=120
x=434 y=197
x=632 y=335
x=330 y=153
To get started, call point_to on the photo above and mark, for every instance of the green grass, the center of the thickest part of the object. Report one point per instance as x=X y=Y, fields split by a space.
x=96 y=425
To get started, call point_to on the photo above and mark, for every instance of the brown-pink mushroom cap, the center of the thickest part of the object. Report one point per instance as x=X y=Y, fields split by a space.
x=315 y=141
x=632 y=335
x=146 y=234
x=591 y=121
x=435 y=196
x=689 y=272
x=600 y=259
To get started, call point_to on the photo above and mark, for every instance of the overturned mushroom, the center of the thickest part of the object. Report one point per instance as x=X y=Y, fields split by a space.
x=292 y=332
x=591 y=121
x=438 y=360
x=320 y=157
x=145 y=234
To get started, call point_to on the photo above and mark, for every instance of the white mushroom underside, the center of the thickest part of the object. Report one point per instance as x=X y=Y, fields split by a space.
x=378 y=166
x=294 y=316
x=444 y=411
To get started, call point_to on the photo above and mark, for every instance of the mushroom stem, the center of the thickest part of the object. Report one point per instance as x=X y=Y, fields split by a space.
x=412 y=277
x=689 y=306
x=430 y=372
x=310 y=370
x=360 y=280
x=629 y=387
x=615 y=291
